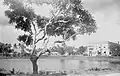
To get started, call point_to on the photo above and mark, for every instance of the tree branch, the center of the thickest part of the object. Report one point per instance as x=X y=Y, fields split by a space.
x=39 y=32
x=46 y=41
x=45 y=32
x=33 y=51
x=34 y=27
x=24 y=48
x=67 y=38
x=72 y=36
x=41 y=52
x=34 y=39
x=44 y=49
x=26 y=40
x=41 y=38
x=57 y=13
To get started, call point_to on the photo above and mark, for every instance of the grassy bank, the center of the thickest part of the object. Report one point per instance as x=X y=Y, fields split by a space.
x=88 y=72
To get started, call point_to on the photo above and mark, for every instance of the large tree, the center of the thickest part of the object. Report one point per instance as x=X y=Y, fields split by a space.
x=66 y=16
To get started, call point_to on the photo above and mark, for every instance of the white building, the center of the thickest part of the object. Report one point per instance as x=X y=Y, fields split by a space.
x=102 y=48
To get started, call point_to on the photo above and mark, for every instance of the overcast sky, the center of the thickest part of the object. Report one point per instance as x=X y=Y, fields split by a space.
x=106 y=13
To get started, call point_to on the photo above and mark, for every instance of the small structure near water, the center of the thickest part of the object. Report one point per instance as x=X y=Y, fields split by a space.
x=103 y=49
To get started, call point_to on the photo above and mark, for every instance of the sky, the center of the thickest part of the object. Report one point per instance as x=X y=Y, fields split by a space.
x=105 y=12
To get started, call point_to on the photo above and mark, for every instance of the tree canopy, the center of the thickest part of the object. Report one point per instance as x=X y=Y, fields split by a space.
x=66 y=15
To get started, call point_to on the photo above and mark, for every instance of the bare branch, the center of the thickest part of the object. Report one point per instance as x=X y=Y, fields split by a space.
x=58 y=41
x=45 y=47
x=45 y=32
x=27 y=51
x=41 y=38
x=33 y=50
x=46 y=41
x=39 y=32
x=24 y=48
x=41 y=52
x=72 y=36
x=26 y=40
x=57 y=13
x=67 y=38
x=34 y=39
x=34 y=27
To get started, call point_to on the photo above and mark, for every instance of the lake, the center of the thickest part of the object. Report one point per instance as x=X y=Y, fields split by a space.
x=25 y=65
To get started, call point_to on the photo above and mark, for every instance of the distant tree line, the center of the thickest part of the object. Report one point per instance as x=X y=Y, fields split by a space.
x=5 y=48
x=69 y=49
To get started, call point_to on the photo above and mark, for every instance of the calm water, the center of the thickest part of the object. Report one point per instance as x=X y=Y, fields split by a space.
x=25 y=65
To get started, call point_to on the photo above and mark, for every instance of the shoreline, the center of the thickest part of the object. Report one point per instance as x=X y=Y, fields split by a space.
x=68 y=57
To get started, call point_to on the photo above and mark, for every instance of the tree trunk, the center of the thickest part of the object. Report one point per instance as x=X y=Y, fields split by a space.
x=34 y=63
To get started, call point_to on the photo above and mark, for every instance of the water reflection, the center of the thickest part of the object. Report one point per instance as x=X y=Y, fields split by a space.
x=55 y=64
x=62 y=61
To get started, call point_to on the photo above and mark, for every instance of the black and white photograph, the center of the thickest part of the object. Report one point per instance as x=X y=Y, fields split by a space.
x=59 y=38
